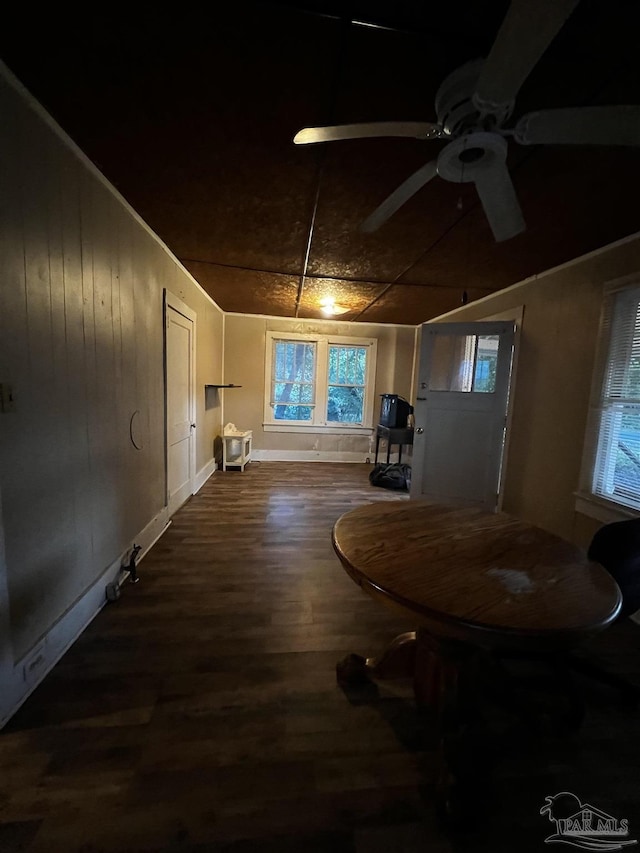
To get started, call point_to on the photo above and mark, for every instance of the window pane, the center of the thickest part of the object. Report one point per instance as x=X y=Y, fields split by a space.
x=627 y=477
x=345 y=404
x=294 y=361
x=623 y=368
x=294 y=392
x=347 y=365
x=285 y=397
x=484 y=376
x=292 y=413
x=618 y=474
x=334 y=356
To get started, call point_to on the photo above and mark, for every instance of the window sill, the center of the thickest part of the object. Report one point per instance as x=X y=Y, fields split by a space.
x=601 y=509
x=325 y=430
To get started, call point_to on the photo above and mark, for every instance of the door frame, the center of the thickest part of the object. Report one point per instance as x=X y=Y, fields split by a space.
x=515 y=315
x=170 y=300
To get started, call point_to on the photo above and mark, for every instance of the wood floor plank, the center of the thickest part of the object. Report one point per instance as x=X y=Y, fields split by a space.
x=201 y=710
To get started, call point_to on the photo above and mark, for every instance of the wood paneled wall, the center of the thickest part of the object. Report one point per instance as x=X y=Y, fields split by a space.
x=81 y=345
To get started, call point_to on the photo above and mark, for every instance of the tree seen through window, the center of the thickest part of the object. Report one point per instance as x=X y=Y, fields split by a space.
x=347 y=375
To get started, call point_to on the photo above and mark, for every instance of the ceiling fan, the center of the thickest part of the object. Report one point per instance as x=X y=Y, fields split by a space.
x=472 y=106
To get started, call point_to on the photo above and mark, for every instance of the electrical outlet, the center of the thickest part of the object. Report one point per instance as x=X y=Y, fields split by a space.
x=7 y=400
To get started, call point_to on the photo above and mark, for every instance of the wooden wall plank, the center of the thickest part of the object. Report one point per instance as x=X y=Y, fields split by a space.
x=13 y=345
x=103 y=428
x=78 y=471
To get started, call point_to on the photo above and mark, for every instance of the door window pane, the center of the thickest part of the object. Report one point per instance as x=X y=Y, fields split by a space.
x=486 y=359
x=464 y=363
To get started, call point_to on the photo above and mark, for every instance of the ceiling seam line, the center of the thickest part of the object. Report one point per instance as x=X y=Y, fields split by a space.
x=343 y=37
x=413 y=263
x=424 y=254
x=373 y=301
x=487 y=292
x=319 y=276
x=428 y=31
x=312 y=222
x=474 y=204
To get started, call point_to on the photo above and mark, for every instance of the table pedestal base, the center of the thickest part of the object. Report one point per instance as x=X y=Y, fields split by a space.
x=470 y=690
x=415 y=655
x=435 y=668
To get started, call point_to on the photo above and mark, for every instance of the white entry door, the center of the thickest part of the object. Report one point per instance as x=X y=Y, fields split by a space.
x=461 y=412
x=180 y=373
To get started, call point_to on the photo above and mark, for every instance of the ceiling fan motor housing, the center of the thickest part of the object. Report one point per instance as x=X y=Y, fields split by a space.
x=471 y=156
x=454 y=99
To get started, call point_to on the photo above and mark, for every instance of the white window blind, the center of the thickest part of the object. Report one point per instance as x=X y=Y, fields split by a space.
x=616 y=470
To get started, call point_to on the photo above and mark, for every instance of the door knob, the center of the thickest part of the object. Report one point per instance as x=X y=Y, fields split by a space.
x=193 y=426
x=419 y=430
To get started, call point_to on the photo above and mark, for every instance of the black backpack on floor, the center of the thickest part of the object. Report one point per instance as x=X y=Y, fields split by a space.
x=394 y=475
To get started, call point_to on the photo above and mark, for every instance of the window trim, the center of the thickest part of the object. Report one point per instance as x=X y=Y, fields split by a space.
x=319 y=423
x=588 y=502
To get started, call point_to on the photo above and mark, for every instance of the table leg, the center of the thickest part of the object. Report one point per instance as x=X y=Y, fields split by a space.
x=399 y=454
x=397 y=661
x=445 y=681
x=388 y=449
x=377 y=446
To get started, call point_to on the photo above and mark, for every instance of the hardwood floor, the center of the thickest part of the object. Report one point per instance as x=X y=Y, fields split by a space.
x=201 y=712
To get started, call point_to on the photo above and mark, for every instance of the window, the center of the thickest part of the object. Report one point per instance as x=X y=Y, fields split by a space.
x=319 y=381
x=613 y=451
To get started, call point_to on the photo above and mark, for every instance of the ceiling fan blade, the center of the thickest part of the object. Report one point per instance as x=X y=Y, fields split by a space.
x=526 y=32
x=615 y=125
x=500 y=202
x=399 y=196
x=332 y=133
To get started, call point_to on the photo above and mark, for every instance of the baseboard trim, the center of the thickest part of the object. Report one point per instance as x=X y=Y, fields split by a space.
x=307 y=456
x=317 y=456
x=203 y=475
x=19 y=681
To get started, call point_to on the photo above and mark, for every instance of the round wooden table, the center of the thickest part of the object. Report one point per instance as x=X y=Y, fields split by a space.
x=477 y=586
x=486 y=578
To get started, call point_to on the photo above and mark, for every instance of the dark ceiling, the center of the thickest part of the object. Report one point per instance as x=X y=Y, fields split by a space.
x=191 y=116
